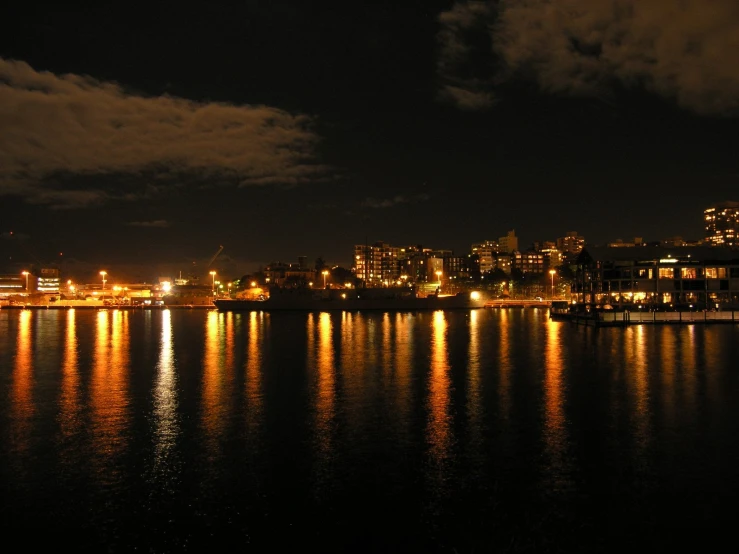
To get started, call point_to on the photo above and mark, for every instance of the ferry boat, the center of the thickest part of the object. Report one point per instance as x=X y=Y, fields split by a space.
x=385 y=299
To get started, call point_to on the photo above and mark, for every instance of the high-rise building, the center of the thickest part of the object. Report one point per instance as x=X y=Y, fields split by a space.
x=485 y=251
x=571 y=244
x=376 y=264
x=722 y=224
x=508 y=243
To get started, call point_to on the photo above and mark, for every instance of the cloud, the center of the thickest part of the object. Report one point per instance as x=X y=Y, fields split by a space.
x=465 y=62
x=56 y=126
x=467 y=99
x=684 y=50
x=395 y=201
x=160 y=223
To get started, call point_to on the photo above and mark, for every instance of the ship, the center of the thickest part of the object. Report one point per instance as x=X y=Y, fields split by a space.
x=382 y=299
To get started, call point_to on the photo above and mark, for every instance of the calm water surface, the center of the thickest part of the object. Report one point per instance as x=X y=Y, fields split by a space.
x=480 y=431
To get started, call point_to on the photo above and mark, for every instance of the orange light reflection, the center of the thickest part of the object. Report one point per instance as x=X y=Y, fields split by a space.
x=439 y=430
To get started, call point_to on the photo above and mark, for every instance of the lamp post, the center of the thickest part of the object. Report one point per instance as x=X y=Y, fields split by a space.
x=213 y=279
x=551 y=273
x=103 y=274
x=26 y=273
x=438 y=276
x=324 y=272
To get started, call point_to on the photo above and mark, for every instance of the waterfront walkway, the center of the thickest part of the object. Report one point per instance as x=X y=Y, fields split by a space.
x=622 y=319
x=93 y=305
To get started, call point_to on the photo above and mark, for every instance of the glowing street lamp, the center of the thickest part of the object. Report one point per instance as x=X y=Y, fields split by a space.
x=26 y=274
x=213 y=278
x=438 y=276
x=103 y=274
x=324 y=272
x=551 y=273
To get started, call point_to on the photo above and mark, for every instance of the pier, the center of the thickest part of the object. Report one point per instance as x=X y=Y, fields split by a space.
x=625 y=318
x=508 y=303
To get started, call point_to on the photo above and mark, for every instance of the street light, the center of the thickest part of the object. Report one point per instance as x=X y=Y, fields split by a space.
x=552 y=272
x=438 y=276
x=103 y=274
x=213 y=286
x=26 y=274
x=324 y=272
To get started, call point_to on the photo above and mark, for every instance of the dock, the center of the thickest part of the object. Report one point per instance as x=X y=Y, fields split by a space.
x=626 y=318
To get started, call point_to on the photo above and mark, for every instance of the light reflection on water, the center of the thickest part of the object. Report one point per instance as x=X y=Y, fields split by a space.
x=439 y=432
x=22 y=389
x=444 y=419
x=556 y=437
x=166 y=419
x=109 y=397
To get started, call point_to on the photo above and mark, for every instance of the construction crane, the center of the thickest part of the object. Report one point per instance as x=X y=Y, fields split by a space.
x=193 y=278
x=213 y=259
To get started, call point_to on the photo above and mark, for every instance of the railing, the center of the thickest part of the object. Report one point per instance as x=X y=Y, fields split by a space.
x=627 y=317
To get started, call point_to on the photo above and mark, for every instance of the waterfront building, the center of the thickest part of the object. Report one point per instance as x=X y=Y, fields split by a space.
x=285 y=274
x=377 y=263
x=722 y=224
x=653 y=276
x=13 y=283
x=48 y=281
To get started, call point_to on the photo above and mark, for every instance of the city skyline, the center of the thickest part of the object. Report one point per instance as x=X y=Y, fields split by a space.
x=302 y=130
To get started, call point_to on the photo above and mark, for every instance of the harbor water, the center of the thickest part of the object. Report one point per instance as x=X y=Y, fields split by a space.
x=486 y=430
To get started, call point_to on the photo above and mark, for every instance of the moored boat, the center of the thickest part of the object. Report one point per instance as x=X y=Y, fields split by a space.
x=386 y=299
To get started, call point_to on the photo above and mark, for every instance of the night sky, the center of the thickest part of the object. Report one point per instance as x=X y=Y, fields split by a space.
x=146 y=137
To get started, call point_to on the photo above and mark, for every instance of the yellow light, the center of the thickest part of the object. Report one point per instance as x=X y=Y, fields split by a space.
x=474 y=295
x=253 y=283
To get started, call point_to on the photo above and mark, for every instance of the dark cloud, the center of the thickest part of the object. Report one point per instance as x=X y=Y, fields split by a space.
x=394 y=201
x=160 y=223
x=684 y=50
x=53 y=125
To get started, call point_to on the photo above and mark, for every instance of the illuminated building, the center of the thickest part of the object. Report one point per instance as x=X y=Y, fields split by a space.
x=485 y=251
x=528 y=262
x=722 y=224
x=48 y=280
x=571 y=244
x=654 y=276
x=376 y=263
